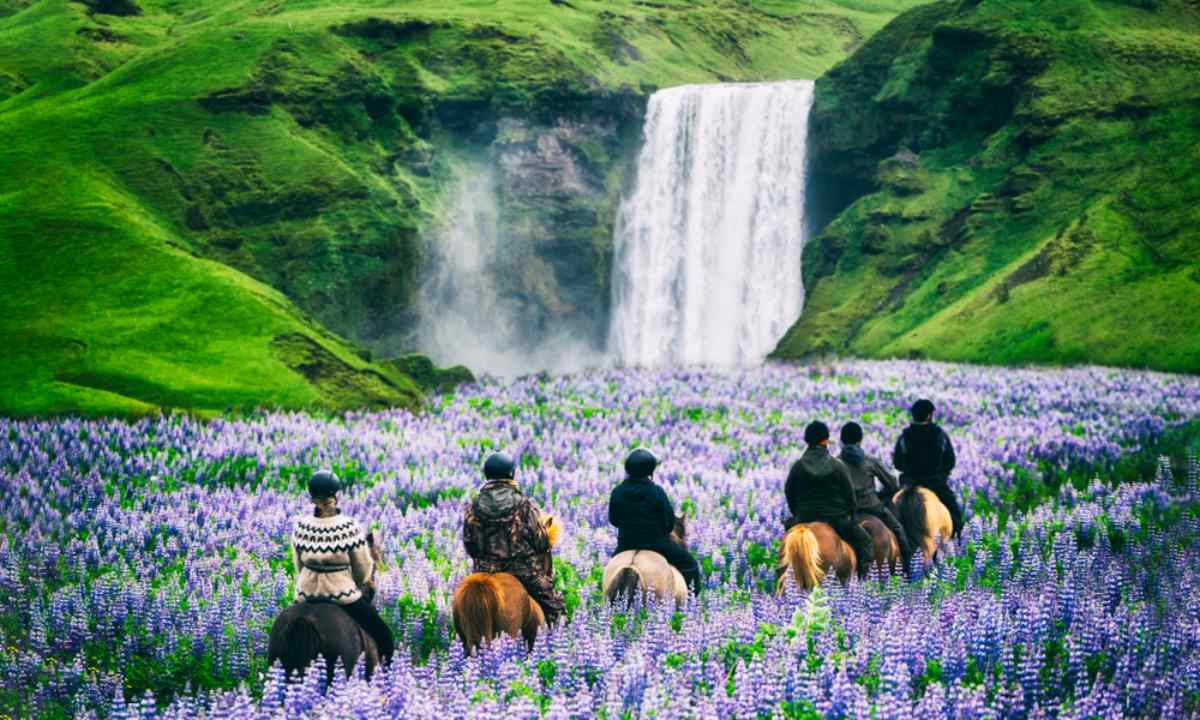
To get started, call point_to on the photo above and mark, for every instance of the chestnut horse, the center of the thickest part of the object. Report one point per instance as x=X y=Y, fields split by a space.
x=813 y=549
x=635 y=572
x=487 y=604
x=305 y=630
x=925 y=519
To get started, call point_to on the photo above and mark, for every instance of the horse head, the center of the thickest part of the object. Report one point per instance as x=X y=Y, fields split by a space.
x=679 y=532
x=553 y=529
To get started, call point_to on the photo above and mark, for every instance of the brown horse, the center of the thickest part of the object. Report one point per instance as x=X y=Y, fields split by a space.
x=925 y=519
x=813 y=549
x=487 y=604
x=635 y=572
x=305 y=630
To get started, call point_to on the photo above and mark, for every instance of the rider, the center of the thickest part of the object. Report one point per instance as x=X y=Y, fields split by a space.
x=504 y=532
x=333 y=561
x=864 y=471
x=819 y=489
x=925 y=457
x=644 y=517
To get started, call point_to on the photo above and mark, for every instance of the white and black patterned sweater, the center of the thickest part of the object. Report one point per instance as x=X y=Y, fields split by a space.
x=332 y=558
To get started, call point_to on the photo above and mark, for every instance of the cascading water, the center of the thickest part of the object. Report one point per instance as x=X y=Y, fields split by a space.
x=707 y=265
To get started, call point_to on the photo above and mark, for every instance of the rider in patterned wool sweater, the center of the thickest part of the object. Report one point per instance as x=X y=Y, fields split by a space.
x=333 y=561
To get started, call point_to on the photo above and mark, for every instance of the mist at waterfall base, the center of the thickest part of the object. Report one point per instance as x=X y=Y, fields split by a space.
x=707 y=247
x=471 y=312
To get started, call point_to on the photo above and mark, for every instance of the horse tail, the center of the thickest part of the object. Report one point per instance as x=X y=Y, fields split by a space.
x=301 y=644
x=625 y=584
x=912 y=515
x=802 y=551
x=476 y=605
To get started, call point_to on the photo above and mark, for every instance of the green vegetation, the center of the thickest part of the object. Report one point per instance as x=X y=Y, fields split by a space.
x=196 y=194
x=1018 y=183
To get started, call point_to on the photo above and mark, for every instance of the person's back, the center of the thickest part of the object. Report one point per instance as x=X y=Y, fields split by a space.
x=925 y=456
x=818 y=489
x=504 y=532
x=644 y=517
x=333 y=561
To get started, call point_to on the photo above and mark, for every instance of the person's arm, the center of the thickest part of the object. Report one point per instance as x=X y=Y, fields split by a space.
x=849 y=497
x=948 y=457
x=296 y=562
x=470 y=533
x=791 y=488
x=362 y=565
x=613 y=517
x=885 y=478
x=666 y=511
x=539 y=538
x=900 y=455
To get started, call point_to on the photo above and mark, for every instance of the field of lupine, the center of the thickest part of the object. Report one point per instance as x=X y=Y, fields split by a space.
x=141 y=563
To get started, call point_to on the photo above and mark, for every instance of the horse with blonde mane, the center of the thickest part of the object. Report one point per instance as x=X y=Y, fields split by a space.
x=925 y=519
x=488 y=604
x=635 y=573
x=814 y=549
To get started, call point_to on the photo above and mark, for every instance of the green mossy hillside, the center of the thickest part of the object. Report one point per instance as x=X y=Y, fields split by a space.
x=1011 y=182
x=190 y=188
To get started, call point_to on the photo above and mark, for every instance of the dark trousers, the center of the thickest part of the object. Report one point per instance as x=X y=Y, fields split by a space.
x=882 y=512
x=848 y=530
x=365 y=614
x=939 y=487
x=676 y=554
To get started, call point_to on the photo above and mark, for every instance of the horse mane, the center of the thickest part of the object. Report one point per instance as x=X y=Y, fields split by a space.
x=476 y=606
x=911 y=510
x=803 y=553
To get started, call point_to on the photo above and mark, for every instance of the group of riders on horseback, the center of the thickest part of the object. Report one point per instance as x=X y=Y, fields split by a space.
x=842 y=518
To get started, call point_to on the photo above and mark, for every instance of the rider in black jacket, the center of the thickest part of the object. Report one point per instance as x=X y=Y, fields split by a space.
x=644 y=517
x=924 y=456
x=819 y=489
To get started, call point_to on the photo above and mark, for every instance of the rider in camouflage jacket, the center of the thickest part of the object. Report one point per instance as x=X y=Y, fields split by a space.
x=504 y=532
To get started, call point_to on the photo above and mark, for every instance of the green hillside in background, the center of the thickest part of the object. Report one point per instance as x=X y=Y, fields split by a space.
x=195 y=192
x=1011 y=182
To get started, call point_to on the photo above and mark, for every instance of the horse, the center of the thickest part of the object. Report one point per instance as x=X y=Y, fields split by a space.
x=813 y=549
x=305 y=630
x=646 y=571
x=487 y=604
x=924 y=518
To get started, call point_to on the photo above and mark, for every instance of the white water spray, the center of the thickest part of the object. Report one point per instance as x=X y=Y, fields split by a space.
x=707 y=265
x=470 y=312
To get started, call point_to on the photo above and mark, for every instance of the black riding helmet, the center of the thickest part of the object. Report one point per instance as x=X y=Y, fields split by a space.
x=499 y=466
x=323 y=484
x=640 y=464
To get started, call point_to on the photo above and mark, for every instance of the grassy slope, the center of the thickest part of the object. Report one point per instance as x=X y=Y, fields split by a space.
x=1052 y=213
x=145 y=156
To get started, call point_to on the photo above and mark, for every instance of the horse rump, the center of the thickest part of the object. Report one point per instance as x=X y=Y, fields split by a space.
x=476 y=607
x=911 y=510
x=295 y=642
x=625 y=585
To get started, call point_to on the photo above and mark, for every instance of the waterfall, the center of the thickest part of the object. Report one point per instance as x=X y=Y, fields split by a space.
x=707 y=256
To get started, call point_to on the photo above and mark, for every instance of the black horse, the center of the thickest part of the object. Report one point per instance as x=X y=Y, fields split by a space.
x=305 y=630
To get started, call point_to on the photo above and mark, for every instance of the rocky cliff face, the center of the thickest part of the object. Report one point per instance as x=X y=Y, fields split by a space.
x=1009 y=183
